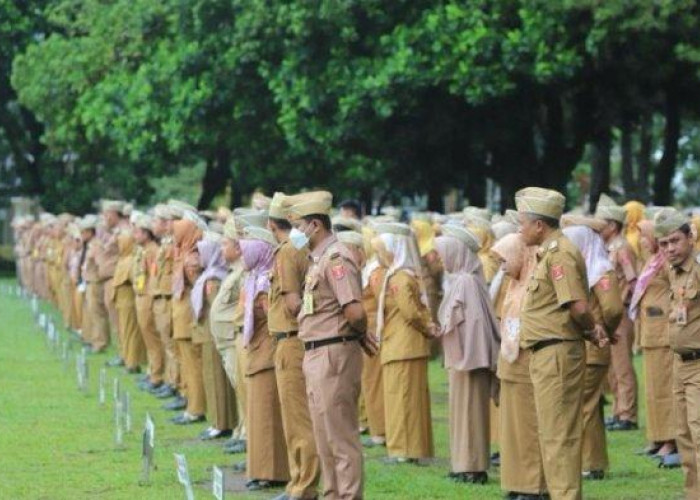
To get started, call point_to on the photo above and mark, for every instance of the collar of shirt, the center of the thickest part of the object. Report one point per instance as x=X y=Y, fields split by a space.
x=316 y=253
x=686 y=264
x=280 y=245
x=546 y=244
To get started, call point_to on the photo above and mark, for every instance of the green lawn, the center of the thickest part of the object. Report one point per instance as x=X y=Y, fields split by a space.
x=58 y=443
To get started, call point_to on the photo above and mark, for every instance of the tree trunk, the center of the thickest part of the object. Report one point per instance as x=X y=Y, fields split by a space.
x=216 y=177
x=600 y=167
x=644 y=159
x=629 y=183
x=476 y=188
x=667 y=165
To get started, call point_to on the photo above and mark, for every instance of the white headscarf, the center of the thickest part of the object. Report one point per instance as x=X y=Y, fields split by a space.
x=406 y=257
x=593 y=250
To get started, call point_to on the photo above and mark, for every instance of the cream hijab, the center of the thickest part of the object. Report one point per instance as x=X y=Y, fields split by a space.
x=407 y=258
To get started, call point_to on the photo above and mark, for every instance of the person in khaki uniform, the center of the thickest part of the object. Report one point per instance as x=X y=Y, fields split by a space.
x=224 y=328
x=606 y=306
x=144 y=259
x=372 y=380
x=219 y=393
x=186 y=233
x=132 y=349
x=555 y=319
x=267 y=463
x=332 y=325
x=106 y=256
x=286 y=283
x=622 y=377
x=650 y=306
x=471 y=339
x=673 y=231
x=404 y=327
x=522 y=474
x=96 y=332
x=160 y=277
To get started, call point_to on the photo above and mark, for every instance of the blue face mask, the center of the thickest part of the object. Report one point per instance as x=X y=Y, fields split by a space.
x=298 y=239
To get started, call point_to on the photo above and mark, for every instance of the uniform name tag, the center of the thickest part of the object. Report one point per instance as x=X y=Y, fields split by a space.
x=682 y=314
x=308 y=303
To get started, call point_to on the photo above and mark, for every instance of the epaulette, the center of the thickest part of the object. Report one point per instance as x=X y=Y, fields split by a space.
x=553 y=246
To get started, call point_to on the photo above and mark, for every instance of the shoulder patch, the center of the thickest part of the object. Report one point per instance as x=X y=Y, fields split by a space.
x=557 y=272
x=338 y=271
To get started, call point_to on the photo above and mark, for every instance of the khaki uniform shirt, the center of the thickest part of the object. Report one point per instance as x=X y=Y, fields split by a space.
x=654 y=310
x=144 y=257
x=607 y=309
x=286 y=276
x=108 y=253
x=332 y=282
x=224 y=306
x=90 y=270
x=406 y=321
x=624 y=260
x=558 y=278
x=161 y=271
x=684 y=330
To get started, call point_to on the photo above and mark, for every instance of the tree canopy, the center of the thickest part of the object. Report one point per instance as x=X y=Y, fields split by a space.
x=370 y=99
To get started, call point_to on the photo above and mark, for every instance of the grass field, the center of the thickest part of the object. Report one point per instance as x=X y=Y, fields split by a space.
x=58 y=443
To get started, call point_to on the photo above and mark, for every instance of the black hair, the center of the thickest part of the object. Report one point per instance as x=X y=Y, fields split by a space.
x=685 y=229
x=339 y=228
x=549 y=221
x=618 y=224
x=352 y=205
x=322 y=218
x=282 y=224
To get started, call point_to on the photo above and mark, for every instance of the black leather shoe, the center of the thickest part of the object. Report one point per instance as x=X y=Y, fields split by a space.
x=473 y=477
x=133 y=370
x=164 y=392
x=149 y=386
x=623 y=425
x=611 y=420
x=262 y=484
x=238 y=447
x=496 y=459
x=593 y=475
x=187 y=419
x=211 y=433
x=670 y=461
x=179 y=403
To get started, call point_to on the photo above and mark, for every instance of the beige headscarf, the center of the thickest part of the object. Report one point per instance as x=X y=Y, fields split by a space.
x=512 y=249
x=470 y=336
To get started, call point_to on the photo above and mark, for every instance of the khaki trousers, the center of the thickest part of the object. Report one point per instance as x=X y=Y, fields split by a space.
x=221 y=400
x=373 y=394
x=133 y=351
x=470 y=394
x=99 y=320
x=191 y=357
x=521 y=461
x=622 y=377
x=333 y=375
x=111 y=306
x=155 y=352
x=225 y=343
x=163 y=316
x=594 y=446
x=304 y=465
x=686 y=395
x=266 y=456
x=658 y=378
x=557 y=373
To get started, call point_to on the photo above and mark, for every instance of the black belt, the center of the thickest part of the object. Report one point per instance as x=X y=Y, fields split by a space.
x=162 y=296
x=545 y=343
x=285 y=335
x=315 y=344
x=690 y=356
